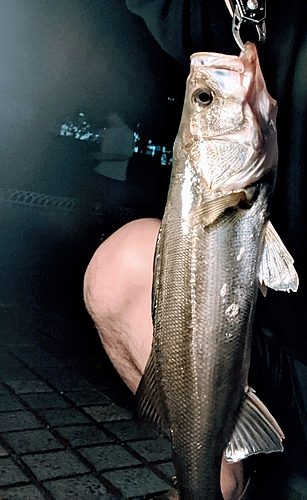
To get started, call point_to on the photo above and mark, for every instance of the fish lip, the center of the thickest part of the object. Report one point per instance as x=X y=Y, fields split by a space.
x=218 y=61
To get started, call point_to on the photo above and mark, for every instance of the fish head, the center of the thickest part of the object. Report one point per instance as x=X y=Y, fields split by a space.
x=228 y=125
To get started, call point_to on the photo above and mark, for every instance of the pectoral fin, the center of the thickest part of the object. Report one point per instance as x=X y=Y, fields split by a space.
x=206 y=214
x=276 y=268
x=256 y=431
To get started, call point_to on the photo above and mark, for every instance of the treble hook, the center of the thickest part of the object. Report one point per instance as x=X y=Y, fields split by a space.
x=252 y=12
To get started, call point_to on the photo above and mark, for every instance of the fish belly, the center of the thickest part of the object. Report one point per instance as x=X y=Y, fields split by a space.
x=204 y=296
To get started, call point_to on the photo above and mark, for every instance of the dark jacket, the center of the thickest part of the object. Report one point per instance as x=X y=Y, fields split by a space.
x=182 y=27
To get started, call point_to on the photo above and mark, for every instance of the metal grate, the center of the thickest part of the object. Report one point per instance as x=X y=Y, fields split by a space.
x=40 y=200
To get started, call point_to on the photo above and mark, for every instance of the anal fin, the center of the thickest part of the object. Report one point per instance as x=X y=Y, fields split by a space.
x=256 y=431
x=150 y=404
x=276 y=268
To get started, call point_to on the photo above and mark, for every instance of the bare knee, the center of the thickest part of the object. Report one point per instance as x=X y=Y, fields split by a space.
x=122 y=264
x=117 y=294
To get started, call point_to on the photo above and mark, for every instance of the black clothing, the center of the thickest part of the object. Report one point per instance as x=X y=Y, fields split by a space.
x=182 y=27
x=278 y=369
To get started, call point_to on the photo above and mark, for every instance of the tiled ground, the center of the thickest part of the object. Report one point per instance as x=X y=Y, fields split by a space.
x=80 y=441
x=63 y=437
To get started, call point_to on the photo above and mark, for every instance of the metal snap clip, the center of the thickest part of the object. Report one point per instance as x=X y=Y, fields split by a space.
x=252 y=12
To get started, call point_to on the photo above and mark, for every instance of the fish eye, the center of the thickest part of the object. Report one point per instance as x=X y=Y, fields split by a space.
x=203 y=97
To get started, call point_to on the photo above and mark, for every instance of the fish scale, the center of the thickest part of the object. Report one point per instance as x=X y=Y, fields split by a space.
x=193 y=379
x=213 y=250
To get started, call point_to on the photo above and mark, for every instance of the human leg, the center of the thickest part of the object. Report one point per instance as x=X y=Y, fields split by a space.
x=117 y=292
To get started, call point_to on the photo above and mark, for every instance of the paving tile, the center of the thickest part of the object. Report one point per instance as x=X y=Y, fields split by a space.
x=52 y=465
x=32 y=441
x=89 y=397
x=154 y=449
x=36 y=357
x=22 y=493
x=28 y=386
x=9 y=363
x=14 y=365
x=136 y=482
x=75 y=383
x=10 y=473
x=3 y=452
x=45 y=400
x=65 y=380
x=26 y=349
x=109 y=456
x=46 y=372
x=8 y=402
x=44 y=363
x=65 y=416
x=17 y=372
x=81 y=435
x=17 y=421
x=167 y=469
x=3 y=390
x=50 y=372
x=128 y=429
x=109 y=384
x=78 y=488
x=4 y=355
x=7 y=360
x=15 y=341
x=124 y=397
x=108 y=413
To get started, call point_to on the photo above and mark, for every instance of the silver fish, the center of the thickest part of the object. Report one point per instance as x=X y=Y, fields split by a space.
x=215 y=248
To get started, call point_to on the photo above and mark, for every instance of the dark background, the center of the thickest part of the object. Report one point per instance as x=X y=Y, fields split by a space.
x=59 y=59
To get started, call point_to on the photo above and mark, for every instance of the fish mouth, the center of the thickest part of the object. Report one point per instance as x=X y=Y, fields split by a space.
x=217 y=61
x=251 y=77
